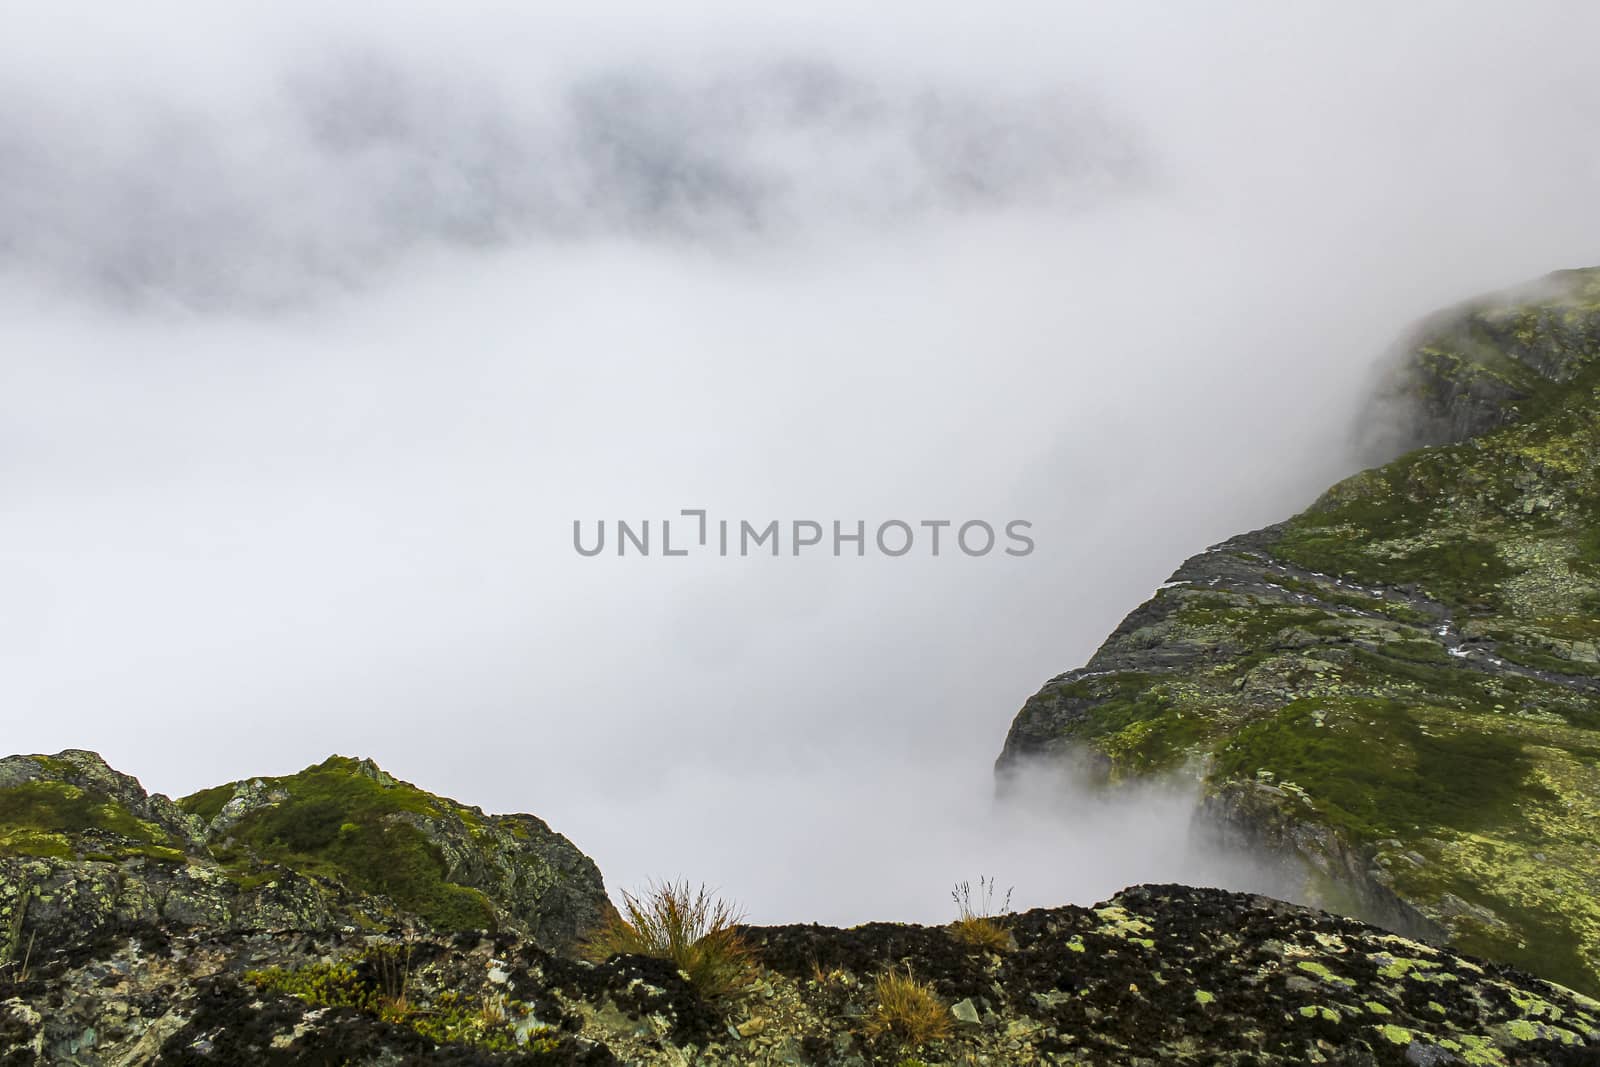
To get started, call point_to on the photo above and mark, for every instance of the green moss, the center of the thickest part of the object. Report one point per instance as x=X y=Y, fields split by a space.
x=325 y=985
x=378 y=983
x=1251 y=623
x=1144 y=731
x=1321 y=971
x=1522 y=1030
x=341 y=822
x=1396 y=1035
x=1460 y=571
x=208 y=802
x=41 y=818
x=1379 y=768
x=249 y=878
x=1418 y=650
x=1527 y=931
x=1477 y=1050
x=30 y=841
x=1402 y=966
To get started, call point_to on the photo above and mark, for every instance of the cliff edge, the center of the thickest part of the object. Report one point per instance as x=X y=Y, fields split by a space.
x=1398 y=690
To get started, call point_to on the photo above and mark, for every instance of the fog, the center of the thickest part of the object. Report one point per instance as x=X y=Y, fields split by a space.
x=319 y=330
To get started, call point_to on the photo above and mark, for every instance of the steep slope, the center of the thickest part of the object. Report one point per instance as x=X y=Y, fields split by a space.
x=1400 y=687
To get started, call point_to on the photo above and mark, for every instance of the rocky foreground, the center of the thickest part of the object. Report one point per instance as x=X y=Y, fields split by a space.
x=246 y=925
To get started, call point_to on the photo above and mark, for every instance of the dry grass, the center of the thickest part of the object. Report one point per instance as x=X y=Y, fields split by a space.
x=978 y=925
x=22 y=973
x=908 y=1010
x=690 y=927
x=981 y=932
x=493 y=1010
x=392 y=965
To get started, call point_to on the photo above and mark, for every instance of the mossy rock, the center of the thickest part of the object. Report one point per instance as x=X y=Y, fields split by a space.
x=412 y=853
x=341 y=843
x=1409 y=671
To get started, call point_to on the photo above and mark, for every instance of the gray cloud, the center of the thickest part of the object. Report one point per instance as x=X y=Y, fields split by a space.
x=312 y=350
x=354 y=161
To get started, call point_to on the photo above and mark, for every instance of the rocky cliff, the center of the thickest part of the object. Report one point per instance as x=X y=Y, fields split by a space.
x=1397 y=692
x=250 y=925
x=85 y=853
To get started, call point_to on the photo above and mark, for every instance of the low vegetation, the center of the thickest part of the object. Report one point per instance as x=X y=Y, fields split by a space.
x=42 y=818
x=377 y=982
x=907 y=1010
x=338 y=822
x=1407 y=668
x=690 y=927
x=978 y=924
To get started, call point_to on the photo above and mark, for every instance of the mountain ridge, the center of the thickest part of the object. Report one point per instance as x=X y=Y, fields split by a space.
x=1397 y=689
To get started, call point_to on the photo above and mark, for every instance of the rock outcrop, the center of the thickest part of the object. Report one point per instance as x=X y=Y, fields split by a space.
x=255 y=924
x=86 y=853
x=1398 y=691
x=1158 y=975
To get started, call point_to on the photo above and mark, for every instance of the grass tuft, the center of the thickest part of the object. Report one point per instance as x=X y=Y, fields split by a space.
x=691 y=928
x=908 y=1010
x=978 y=925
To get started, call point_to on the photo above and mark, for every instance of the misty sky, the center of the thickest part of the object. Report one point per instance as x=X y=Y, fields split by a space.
x=318 y=330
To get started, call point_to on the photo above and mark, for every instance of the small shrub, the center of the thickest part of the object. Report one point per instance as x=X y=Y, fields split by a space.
x=378 y=983
x=978 y=925
x=688 y=927
x=908 y=1010
x=391 y=964
x=323 y=985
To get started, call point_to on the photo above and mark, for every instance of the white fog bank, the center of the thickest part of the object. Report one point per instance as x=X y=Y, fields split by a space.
x=316 y=335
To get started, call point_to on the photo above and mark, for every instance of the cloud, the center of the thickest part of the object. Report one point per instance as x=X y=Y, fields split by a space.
x=319 y=331
x=353 y=161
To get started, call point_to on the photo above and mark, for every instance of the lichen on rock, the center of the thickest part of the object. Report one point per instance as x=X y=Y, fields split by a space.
x=85 y=852
x=1400 y=686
